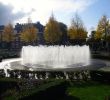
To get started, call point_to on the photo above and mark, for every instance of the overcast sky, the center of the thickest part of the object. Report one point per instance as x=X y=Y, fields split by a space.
x=40 y=10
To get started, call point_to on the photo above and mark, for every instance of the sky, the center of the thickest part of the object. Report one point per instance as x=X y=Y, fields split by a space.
x=18 y=11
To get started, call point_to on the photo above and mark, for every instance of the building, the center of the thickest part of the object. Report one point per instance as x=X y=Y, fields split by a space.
x=1 y=31
x=17 y=44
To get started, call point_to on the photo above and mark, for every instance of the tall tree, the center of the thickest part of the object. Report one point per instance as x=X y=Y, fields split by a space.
x=52 y=33
x=102 y=28
x=77 y=30
x=29 y=34
x=7 y=35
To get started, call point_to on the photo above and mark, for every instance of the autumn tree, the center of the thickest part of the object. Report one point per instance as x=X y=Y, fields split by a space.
x=29 y=34
x=102 y=28
x=98 y=35
x=7 y=35
x=52 y=33
x=77 y=31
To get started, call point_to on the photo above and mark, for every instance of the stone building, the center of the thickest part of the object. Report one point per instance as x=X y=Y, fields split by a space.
x=17 y=44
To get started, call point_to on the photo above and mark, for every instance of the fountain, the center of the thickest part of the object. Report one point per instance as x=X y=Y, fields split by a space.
x=55 y=56
x=50 y=57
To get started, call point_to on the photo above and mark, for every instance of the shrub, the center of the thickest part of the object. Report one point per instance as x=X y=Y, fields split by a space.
x=102 y=76
x=2 y=73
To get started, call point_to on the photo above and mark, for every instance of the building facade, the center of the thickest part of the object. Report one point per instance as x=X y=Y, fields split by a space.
x=17 y=43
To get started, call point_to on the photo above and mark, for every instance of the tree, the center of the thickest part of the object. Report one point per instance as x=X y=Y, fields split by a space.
x=98 y=35
x=8 y=35
x=102 y=28
x=77 y=30
x=52 y=32
x=29 y=34
x=103 y=31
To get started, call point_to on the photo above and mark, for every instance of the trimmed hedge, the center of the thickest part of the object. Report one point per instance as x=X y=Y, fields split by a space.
x=48 y=91
x=8 y=84
x=98 y=75
x=11 y=86
x=71 y=75
x=2 y=73
x=99 y=56
x=12 y=89
x=26 y=74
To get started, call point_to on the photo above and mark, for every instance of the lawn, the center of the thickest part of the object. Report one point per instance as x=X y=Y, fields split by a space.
x=89 y=91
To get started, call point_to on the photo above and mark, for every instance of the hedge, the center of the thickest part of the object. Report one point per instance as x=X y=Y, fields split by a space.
x=98 y=75
x=26 y=74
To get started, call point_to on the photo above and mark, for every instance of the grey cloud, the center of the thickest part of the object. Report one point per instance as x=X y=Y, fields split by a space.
x=7 y=15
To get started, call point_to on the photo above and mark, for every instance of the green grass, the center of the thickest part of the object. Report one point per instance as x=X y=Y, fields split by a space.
x=89 y=91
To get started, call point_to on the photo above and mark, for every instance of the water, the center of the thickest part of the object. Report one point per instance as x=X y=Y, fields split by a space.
x=55 y=56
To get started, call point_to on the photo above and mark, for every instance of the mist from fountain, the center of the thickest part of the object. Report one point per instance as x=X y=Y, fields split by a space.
x=55 y=56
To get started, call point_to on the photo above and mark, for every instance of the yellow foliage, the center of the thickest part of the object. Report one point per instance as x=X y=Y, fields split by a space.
x=77 y=33
x=103 y=26
x=29 y=34
x=72 y=33
x=8 y=35
x=98 y=35
x=77 y=29
x=52 y=31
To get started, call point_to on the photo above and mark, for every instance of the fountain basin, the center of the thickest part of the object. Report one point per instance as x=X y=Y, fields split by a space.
x=14 y=64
